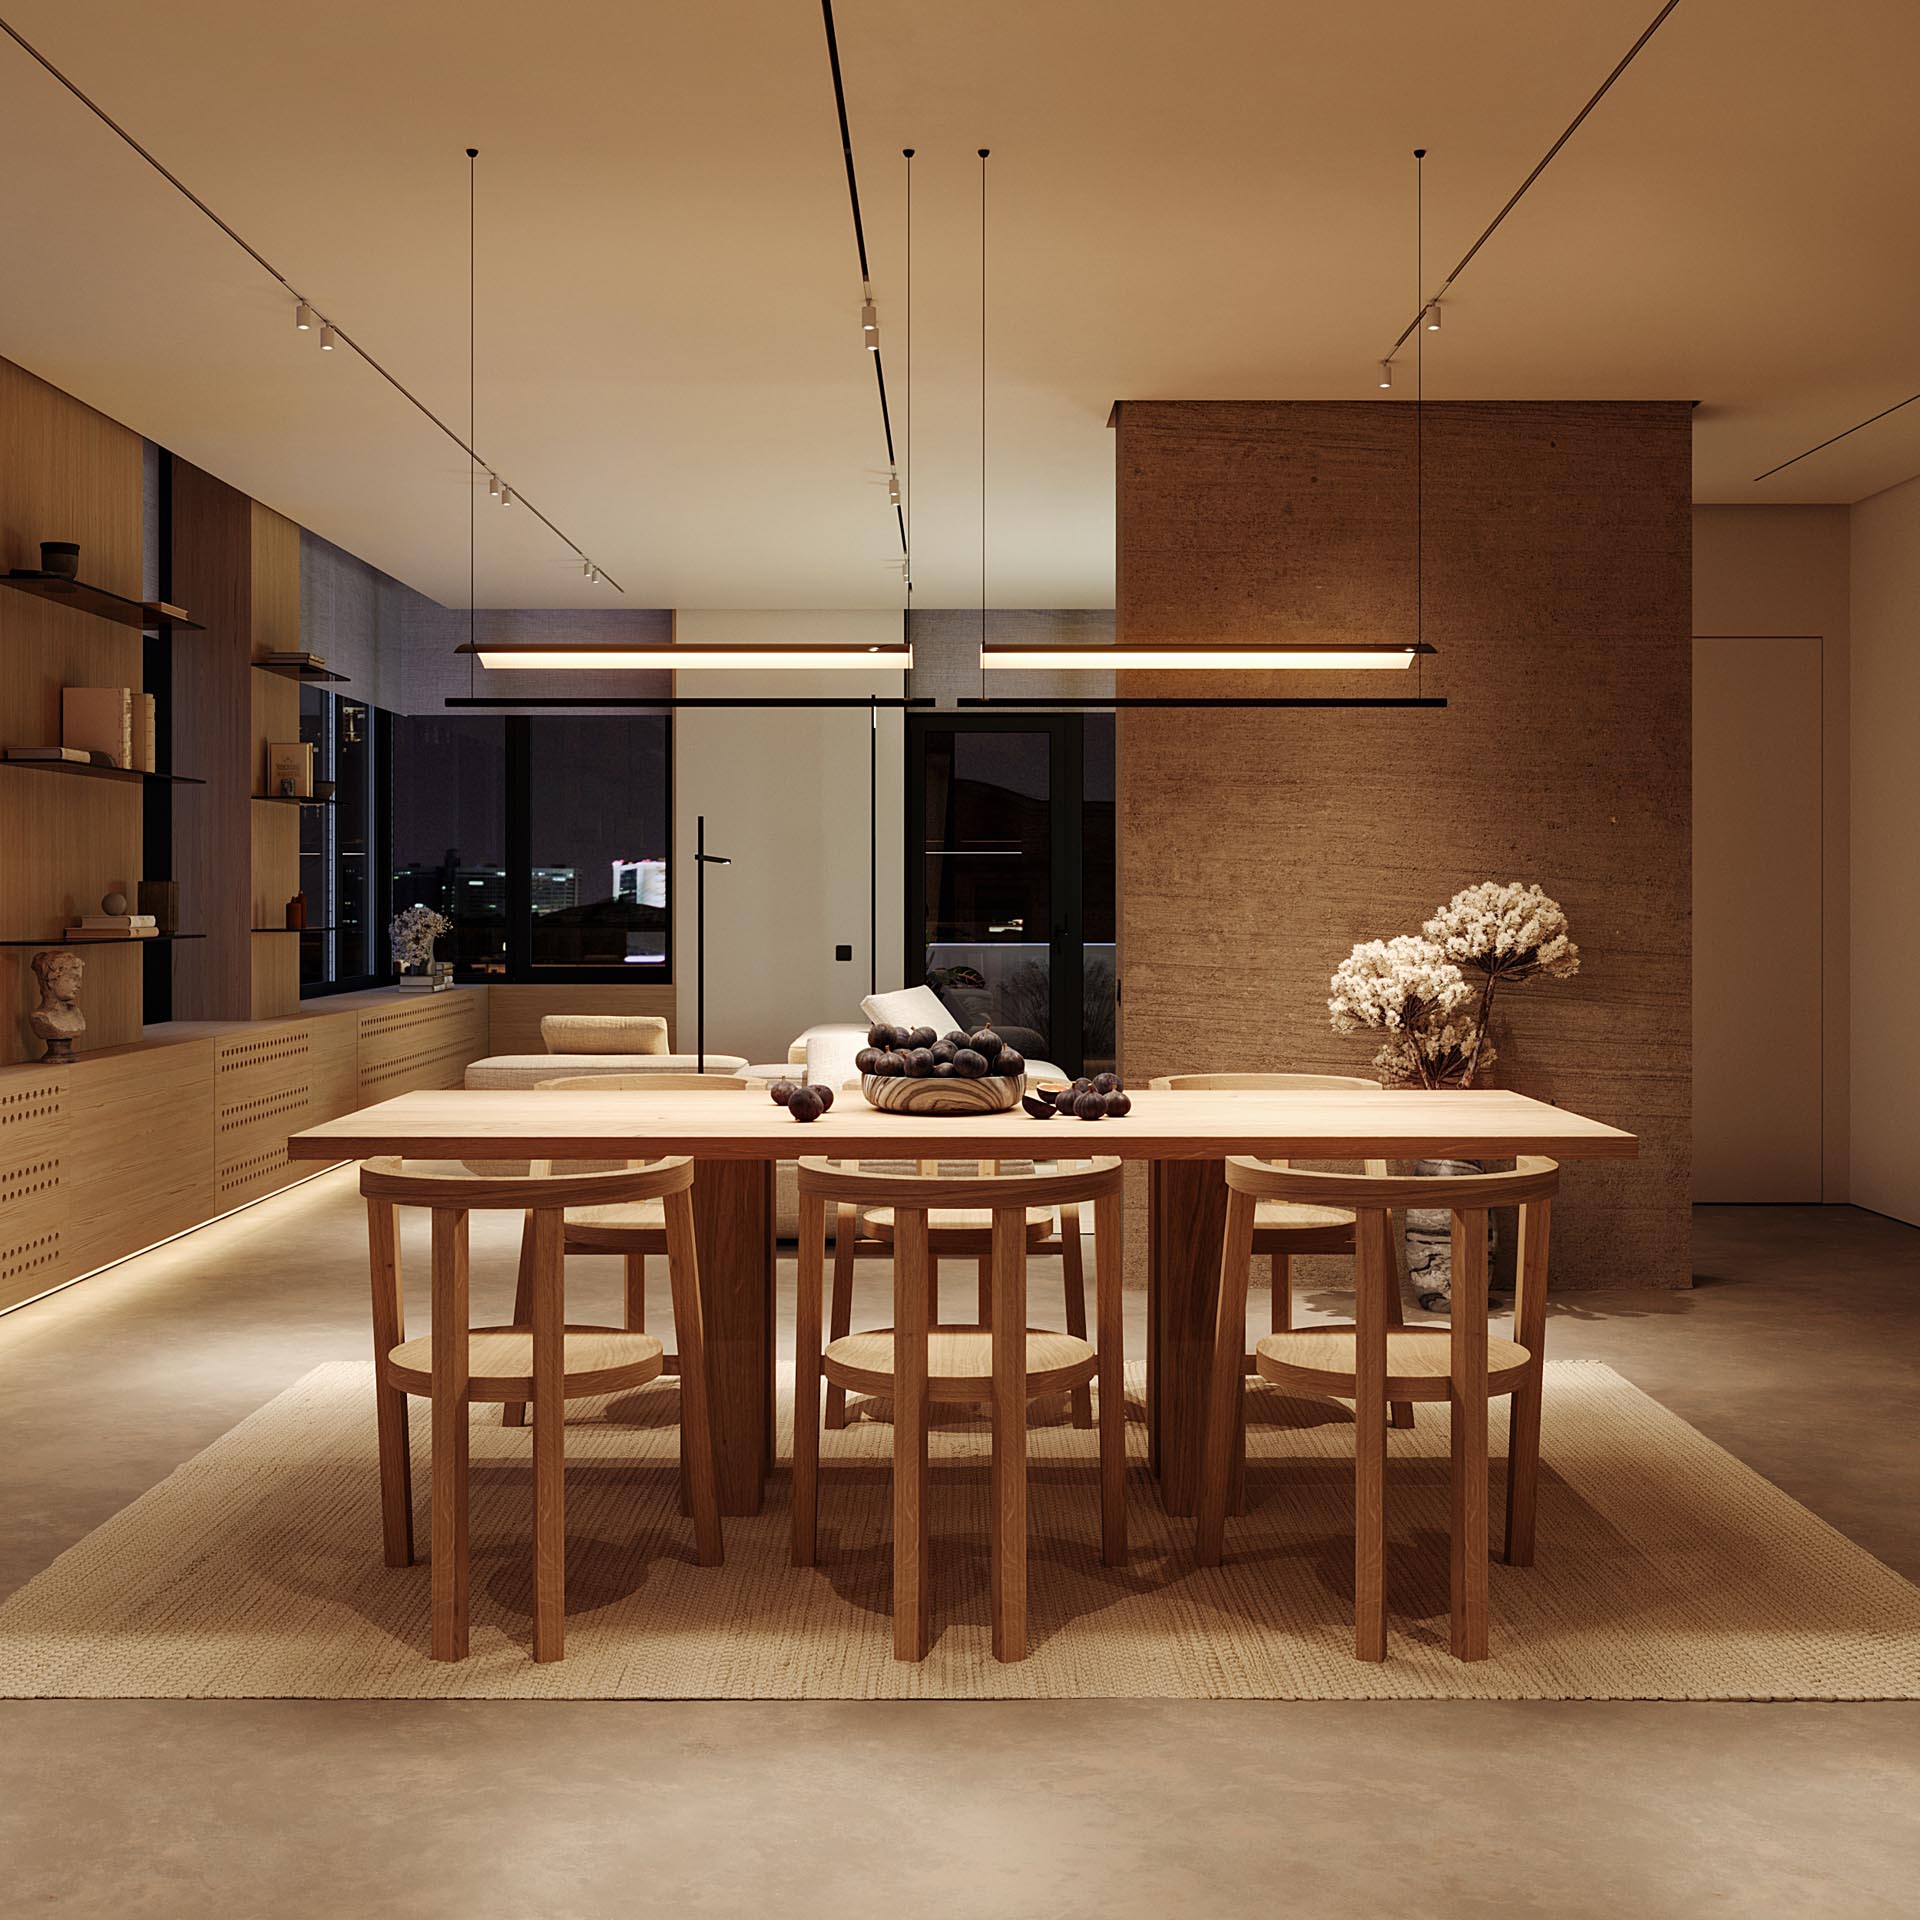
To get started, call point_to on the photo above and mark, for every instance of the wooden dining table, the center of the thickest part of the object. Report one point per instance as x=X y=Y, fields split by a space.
x=736 y=1140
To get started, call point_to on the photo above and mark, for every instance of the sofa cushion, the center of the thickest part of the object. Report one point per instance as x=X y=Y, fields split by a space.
x=603 y=1033
x=529 y=1069
x=909 y=1007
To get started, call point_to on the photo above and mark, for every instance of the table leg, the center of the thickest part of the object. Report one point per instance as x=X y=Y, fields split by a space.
x=1189 y=1215
x=733 y=1223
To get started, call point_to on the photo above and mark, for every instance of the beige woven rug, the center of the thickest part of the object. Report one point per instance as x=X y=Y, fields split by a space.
x=1667 y=1570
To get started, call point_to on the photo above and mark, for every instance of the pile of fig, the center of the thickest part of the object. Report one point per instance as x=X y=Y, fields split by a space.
x=915 y=1053
x=803 y=1103
x=1103 y=1097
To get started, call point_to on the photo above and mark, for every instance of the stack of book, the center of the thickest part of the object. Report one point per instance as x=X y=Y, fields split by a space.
x=114 y=926
x=113 y=726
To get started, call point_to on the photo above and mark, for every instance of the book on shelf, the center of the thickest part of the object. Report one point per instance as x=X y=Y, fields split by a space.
x=112 y=933
x=108 y=922
x=75 y=756
x=166 y=609
x=290 y=769
x=100 y=719
x=292 y=657
x=145 y=733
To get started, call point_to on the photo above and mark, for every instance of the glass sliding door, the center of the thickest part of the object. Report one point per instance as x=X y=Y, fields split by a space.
x=1010 y=877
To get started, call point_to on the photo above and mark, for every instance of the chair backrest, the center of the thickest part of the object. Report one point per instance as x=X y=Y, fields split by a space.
x=1532 y=1178
x=855 y=1185
x=643 y=1083
x=489 y=1190
x=1259 y=1082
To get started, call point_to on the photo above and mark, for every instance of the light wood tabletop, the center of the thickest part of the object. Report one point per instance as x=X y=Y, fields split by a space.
x=1164 y=1125
x=736 y=1136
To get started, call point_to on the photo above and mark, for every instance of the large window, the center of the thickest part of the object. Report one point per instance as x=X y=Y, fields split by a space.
x=544 y=839
x=342 y=846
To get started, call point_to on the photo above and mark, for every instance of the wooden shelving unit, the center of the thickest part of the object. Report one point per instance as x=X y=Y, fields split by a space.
x=96 y=600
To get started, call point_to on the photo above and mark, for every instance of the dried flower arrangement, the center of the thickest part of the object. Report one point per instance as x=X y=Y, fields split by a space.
x=412 y=933
x=1414 y=987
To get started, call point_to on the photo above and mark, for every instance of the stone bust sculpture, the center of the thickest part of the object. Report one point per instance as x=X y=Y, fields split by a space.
x=58 y=1019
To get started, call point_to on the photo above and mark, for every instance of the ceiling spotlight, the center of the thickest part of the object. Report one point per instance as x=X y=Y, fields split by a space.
x=586 y=567
x=870 y=325
x=493 y=486
x=893 y=489
x=1433 y=318
x=1386 y=373
x=506 y=496
x=303 y=317
x=326 y=337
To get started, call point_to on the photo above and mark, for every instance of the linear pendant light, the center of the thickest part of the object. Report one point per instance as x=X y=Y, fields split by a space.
x=556 y=656
x=1203 y=659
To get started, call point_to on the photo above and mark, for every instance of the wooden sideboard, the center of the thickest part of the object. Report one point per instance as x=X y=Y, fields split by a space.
x=132 y=1144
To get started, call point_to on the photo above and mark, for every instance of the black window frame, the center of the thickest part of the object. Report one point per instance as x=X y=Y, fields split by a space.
x=379 y=856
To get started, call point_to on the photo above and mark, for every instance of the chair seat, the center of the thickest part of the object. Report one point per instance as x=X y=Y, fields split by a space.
x=971 y=1225
x=1269 y=1215
x=1320 y=1360
x=500 y=1362
x=609 y=1225
x=959 y=1362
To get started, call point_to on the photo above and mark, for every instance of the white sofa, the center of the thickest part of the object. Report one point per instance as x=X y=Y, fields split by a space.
x=529 y=1069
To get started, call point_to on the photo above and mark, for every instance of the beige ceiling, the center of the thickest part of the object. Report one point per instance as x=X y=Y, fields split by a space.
x=1202 y=200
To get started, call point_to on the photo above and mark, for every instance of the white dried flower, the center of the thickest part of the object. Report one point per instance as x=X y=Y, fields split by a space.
x=1408 y=989
x=1509 y=932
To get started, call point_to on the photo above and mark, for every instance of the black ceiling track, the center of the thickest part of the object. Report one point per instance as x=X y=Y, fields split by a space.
x=1109 y=703
x=864 y=702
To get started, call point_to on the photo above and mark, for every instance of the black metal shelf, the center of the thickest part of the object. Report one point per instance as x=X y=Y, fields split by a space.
x=296 y=799
x=87 y=771
x=294 y=670
x=100 y=940
x=97 y=600
x=294 y=929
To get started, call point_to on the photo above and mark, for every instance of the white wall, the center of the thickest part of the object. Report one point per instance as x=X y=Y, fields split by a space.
x=1771 y=909
x=785 y=793
x=1885 y=769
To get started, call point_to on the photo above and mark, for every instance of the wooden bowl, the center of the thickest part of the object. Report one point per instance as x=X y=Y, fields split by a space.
x=895 y=1093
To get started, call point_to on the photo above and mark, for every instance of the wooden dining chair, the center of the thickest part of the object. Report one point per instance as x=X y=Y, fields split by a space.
x=959 y=1233
x=1373 y=1361
x=538 y=1359
x=639 y=1231
x=915 y=1362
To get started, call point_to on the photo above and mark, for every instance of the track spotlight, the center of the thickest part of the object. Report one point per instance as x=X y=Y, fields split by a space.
x=586 y=567
x=303 y=317
x=506 y=496
x=1433 y=318
x=326 y=337
x=493 y=486
x=893 y=489
x=1386 y=373
x=870 y=325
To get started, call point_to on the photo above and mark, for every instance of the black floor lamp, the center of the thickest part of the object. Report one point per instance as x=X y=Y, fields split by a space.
x=702 y=860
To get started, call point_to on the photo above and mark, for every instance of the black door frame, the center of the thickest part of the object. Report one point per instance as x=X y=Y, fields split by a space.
x=1066 y=811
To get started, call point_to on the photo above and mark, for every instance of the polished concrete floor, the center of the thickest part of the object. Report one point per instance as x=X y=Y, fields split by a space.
x=1797 y=1351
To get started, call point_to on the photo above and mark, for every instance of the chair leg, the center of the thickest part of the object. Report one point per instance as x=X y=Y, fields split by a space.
x=389 y=1402
x=846 y=1231
x=1280 y=1280
x=451 y=1571
x=985 y=1315
x=1467 y=1366
x=1373 y=1275
x=636 y=1292
x=1400 y=1414
x=1007 y=1542
x=514 y=1412
x=1111 y=1360
x=1226 y=1383
x=1523 y=1423
x=1073 y=1266
x=912 y=1609
x=806 y=1379
x=696 y=1393
x=549 y=1438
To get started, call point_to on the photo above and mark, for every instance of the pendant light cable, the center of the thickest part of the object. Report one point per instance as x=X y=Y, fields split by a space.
x=1419 y=420
x=984 y=151
x=473 y=497
x=906 y=505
